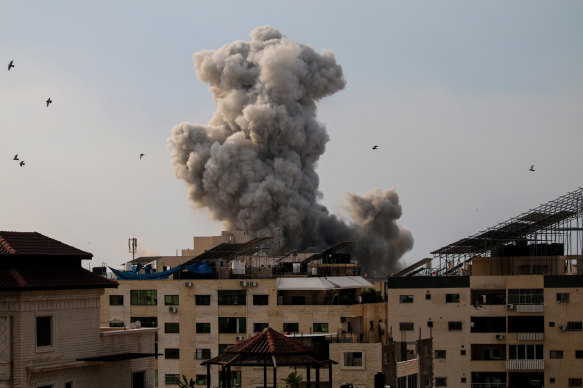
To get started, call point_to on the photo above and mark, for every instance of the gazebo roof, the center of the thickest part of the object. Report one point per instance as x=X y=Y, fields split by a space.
x=269 y=348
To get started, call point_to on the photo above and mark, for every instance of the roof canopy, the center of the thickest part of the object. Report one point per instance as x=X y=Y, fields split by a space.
x=322 y=283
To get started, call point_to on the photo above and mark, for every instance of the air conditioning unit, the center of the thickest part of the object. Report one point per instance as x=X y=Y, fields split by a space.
x=562 y=327
x=173 y=309
x=509 y=307
x=499 y=336
x=239 y=338
x=243 y=283
x=188 y=284
x=253 y=284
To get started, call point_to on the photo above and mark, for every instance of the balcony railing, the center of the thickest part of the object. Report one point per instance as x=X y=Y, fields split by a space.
x=529 y=308
x=530 y=336
x=525 y=364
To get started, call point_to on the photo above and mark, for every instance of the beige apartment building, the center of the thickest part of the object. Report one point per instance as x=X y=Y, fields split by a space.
x=50 y=335
x=317 y=298
x=503 y=308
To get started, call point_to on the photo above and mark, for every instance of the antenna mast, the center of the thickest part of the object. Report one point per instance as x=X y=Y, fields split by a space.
x=133 y=246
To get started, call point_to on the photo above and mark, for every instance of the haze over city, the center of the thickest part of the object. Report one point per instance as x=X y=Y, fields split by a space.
x=461 y=99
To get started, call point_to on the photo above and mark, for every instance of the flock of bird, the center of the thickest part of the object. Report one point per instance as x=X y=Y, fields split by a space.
x=49 y=101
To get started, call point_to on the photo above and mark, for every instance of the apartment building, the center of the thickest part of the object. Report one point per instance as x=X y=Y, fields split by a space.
x=49 y=322
x=503 y=308
x=318 y=298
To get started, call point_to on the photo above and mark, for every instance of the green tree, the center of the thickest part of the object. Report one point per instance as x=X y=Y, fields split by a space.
x=293 y=380
x=185 y=383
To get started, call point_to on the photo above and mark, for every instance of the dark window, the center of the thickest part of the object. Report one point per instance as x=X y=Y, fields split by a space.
x=143 y=297
x=463 y=379
x=551 y=324
x=526 y=296
x=116 y=324
x=203 y=354
x=574 y=326
x=44 y=331
x=222 y=348
x=232 y=325
x=412 y=381
x=578 y=353
x=291 y=327
x=235 y=379
x=171 y=379
x=258 y=327
x=320 y=328
x=298 y=300
x=525 y=352
x=575 y=382
x=427 y=296
x=405 y=326
x=526 y=324
x=488 y=325
x=440 y=354
x=171 y=300
x=405 y=298
x=552 y=380
x=201 y=379
x=260 y=300
x=429 y=323
x=203 y=327
x=441 y=381
x=232 y=297
x=171 y=327
x=116 y=300
x=562 y=297
x=139 y=379
x=69 y=384
x=454 y=325
x=353 y=359
x=202 y=300
x=463 y=352
x=45 y=386
x=172 y=353
x=486 y=297
x=452 y=298
x=556 y=354
x=145 y=321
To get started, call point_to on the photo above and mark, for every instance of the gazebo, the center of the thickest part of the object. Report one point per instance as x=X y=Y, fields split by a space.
x=269 y=349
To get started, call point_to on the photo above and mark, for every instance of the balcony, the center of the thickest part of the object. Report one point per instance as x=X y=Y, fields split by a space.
x=525 y=365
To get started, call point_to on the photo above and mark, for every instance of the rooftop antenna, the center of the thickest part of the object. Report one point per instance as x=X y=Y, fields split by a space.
x=133 y=246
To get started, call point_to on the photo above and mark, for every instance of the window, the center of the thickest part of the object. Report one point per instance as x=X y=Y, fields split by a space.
x=259 y=327
x=405 y=326
x=320 y=327
x=298 y=300
x=232 y=297
x=235 y=379
x=145 y=321
x=525 y=352
x=463 y=352
x=575 y=382
x=454 y=325
x=44 y=331
x=427 y=296
x=441 y=381
x=526 y=296
x=526 y=324
x=203 y=327
x=116 y=300
x=440 y=354
x=202 y=300
x=143 y=297
x=578 y=353
x=172 y=353
x=556 y=354
x=69 y=384
x=574 y=326
x=171 y=327
x=222 y=348
x=412 y=381
x=429 y=323
x=291 y=327
x=171 y=379
x=232 y=325
x=171 y=300
x=201 y=379
x=562 y=297
x=405 y=298
x=260 y=300
x=45 y=386
x=353 y=359
x=116 y=324
x=401 y=382
x=452 y=298
x=203 y=354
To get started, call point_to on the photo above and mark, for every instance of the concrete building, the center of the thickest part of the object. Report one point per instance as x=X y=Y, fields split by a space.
x=318 y=297
x=503 y=308
x=49 y=322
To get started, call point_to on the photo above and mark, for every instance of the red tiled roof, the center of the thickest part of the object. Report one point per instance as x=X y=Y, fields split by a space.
x=51 y=279
x=269 y=341
x=33 y=243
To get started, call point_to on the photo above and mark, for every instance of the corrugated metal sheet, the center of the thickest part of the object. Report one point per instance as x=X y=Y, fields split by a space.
x=525 y=364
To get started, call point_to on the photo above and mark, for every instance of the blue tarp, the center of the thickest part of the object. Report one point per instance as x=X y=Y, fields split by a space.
x=198 y=268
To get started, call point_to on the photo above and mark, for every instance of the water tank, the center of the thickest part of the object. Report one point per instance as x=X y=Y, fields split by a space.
x=238 y=267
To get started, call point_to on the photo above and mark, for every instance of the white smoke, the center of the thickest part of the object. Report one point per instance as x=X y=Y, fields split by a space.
x=253 y=165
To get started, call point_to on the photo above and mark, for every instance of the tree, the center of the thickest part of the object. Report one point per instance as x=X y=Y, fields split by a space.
x=185 y=383
x=293 y=380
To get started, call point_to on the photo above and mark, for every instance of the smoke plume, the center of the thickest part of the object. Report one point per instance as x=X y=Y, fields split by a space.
x=253 y=165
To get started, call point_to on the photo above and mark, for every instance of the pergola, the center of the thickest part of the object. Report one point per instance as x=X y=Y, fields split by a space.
x=269 y=349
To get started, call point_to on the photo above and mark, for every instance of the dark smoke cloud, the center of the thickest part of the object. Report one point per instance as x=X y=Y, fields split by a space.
x=253 y=165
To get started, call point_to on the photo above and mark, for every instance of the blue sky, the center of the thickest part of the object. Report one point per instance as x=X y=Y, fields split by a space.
x=461 y=97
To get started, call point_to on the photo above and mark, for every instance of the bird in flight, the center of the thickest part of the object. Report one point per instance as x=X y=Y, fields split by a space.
x=375 y=147
x=49 y=101
x=21 y=163
x=141 y=156
x=10 y=65
x=15 y=157
x=531 y=167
